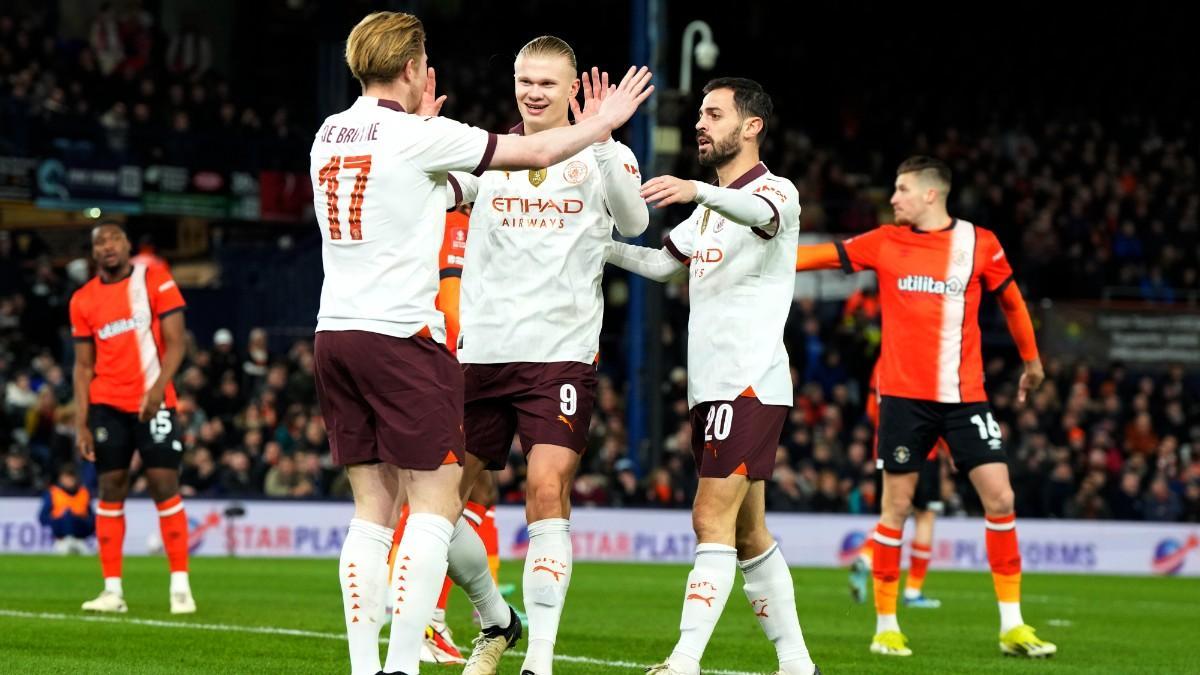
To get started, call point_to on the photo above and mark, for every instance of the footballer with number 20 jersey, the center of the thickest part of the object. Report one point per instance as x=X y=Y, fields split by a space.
x=741 y=282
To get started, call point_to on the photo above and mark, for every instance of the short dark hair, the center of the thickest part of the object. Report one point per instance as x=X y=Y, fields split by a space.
x=923 y=164
x=109 y=221
x=749 y=97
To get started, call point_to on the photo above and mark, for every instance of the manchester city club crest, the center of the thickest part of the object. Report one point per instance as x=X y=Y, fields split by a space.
x=575 y=173
x=537 y=177
x=901 y=454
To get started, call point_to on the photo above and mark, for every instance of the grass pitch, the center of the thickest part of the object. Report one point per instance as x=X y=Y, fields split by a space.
x=284 y=616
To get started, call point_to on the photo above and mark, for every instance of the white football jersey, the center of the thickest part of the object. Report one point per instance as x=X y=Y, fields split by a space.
x=740 y=289
x=535 y=256
x=379 y=185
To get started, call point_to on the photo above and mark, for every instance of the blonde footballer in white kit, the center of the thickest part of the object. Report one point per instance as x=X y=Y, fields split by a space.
x=739 y=249
x=531 y=313
x=390 y=392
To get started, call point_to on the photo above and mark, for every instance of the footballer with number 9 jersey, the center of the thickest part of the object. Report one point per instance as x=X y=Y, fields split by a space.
x=739 y=249
x=933 y=270
x=127 y=323
x=531 y=313
x=390 y=391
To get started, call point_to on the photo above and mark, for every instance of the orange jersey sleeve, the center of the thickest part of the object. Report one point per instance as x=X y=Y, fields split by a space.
x=862 y=252
x=447 y=304
x=817 y=257
x=165 y=297
x=81 y=328
x=996 y=272
x=450 y=264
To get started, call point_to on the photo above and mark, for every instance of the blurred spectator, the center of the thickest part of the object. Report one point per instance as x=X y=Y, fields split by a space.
x=1162 y=504
x=254 y=367
x=626 y=490
x=19 y=475
x=189 y=53
x=105 y=39
x=67 y=511
x=224 y=357
x=199 y=476
x=285 y=480
x=1127 y=502
x=237 y=478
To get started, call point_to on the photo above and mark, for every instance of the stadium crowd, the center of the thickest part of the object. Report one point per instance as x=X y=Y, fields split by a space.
x=131 y=93
x=1094 y=443
x=1081 y=206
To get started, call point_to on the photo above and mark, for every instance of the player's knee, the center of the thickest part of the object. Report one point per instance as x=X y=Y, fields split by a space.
x=998 y=503
x=544 y=499
x=895 y=508
x=752 y=543
x=160 y=491
x=711 y=524
x=114 y=488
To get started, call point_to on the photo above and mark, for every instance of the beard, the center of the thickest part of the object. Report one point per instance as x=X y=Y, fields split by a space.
x=115 y=268
x=719 y=151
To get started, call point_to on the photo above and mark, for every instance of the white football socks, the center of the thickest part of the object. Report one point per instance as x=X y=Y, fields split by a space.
x=704 y=599
x=545 y=581
x=362 y=574
x=772 y=597
x=417 y=574
x=1010 y=616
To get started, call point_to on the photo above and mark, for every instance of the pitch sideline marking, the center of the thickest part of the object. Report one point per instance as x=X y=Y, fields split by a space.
x=292 y=632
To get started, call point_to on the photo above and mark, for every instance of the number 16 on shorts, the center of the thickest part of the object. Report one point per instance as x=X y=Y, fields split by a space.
x=989 y=430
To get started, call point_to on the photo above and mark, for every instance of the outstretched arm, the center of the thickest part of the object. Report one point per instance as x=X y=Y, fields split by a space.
x=738 y=206
x=656 y=264
x=817 y=257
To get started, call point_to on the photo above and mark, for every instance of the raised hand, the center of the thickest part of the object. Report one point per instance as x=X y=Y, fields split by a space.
x=622 y=101
x=666 y=190
x=594 y=89
x=431 y=103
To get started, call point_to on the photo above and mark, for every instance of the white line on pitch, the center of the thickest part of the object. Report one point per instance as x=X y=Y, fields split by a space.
x=294 y=632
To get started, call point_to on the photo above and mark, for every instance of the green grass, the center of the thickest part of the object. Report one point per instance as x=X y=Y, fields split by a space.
x=615 y=613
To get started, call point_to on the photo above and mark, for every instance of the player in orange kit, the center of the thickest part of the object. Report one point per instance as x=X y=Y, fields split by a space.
x=932 y=272
x=926 y=505
x=129 y=341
